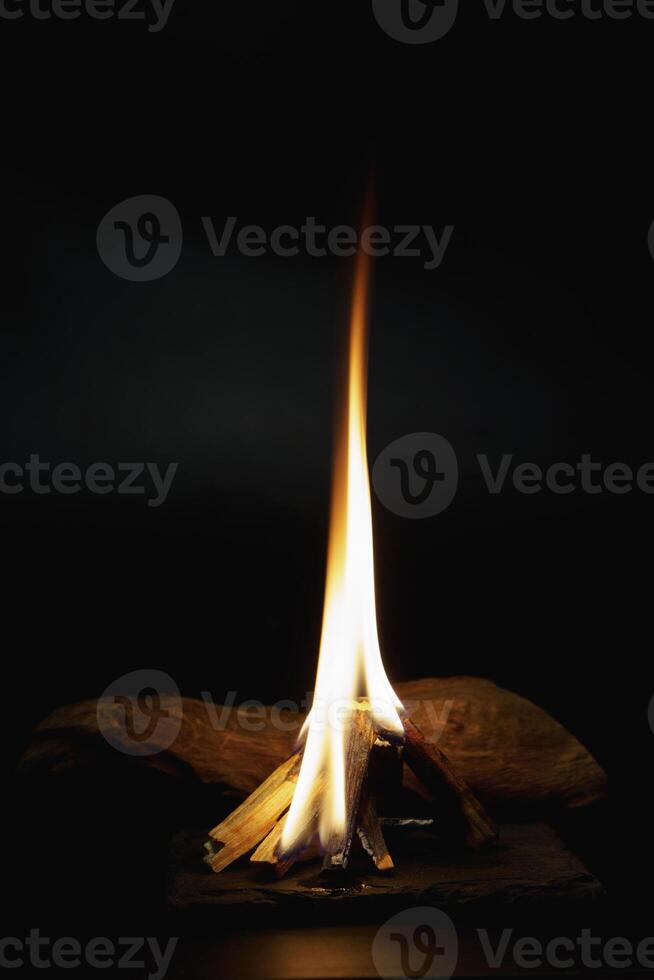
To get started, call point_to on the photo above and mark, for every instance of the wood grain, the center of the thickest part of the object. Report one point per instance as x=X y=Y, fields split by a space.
x=254 y=818
x=510 y=752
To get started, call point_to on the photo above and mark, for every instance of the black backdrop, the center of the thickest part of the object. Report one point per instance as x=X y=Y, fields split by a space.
x=533 y=338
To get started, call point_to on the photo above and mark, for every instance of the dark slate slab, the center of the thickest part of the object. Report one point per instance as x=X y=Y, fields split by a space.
x=530 y=866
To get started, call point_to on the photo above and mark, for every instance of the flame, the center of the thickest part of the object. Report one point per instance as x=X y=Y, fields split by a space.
x=349 y=663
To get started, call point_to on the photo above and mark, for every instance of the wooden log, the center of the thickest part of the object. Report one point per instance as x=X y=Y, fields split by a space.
x=254 y=818
x=511 y=753
x=370 y=832
x=456 y=802
x=359 y=740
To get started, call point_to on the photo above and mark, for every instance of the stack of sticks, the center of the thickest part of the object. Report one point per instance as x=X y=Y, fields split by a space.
x=372 y=761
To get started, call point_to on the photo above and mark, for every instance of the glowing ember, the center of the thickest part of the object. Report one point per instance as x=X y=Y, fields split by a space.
x=350 y=663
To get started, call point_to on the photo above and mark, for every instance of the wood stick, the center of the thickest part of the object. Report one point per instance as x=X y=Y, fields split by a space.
x=266 y=852
x=254 y=818
x=448 y=788
x=370 y=832
x=359 y=739
x=269 y=850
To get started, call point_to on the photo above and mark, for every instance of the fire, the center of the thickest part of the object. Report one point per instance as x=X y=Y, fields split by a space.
x=349 y=663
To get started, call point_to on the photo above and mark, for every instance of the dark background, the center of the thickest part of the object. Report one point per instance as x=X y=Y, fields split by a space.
x=533 y=338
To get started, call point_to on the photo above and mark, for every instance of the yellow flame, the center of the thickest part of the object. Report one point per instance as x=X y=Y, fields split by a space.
x=349 y=663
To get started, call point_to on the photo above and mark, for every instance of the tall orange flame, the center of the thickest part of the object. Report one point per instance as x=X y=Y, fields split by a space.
x=349 y=663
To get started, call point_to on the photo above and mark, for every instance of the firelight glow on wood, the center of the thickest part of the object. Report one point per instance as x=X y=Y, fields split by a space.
x=350 y=662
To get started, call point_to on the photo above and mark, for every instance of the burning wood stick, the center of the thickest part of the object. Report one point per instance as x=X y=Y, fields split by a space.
x=434 y=769
x=261 y=819
x=254 y=818
x=359 y=740
x=370 y=832
x=269 y=851
x=266 y=852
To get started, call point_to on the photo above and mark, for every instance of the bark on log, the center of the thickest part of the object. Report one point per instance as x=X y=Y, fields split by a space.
x=510 y=752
